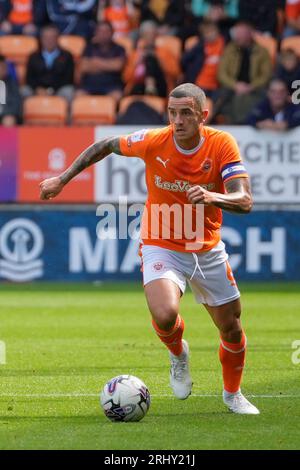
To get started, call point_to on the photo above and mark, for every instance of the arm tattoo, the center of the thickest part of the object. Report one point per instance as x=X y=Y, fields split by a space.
x=91 y=155
x=238 y=196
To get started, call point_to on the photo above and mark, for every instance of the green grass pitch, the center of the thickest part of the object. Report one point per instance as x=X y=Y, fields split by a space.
x=63 y=342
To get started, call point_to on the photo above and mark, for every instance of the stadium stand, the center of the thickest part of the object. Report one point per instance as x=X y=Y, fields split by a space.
x=168 y=42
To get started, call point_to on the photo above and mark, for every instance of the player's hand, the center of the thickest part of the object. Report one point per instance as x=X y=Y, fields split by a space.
x=50 y=188
x=199 y=195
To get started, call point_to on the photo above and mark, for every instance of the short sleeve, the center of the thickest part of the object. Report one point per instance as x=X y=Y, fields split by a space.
x=231 y=165
x=136 y=144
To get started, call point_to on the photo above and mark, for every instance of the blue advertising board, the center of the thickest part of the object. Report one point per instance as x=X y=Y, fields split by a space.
x=62 y=245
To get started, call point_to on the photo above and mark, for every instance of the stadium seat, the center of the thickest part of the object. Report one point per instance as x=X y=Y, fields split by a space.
x=291 y=43
x=45 y=110
x=17 y=49
x=268 y=43
x=73 y=44
x=93 y=109
x=172 y=43
x=125 y=42
x=156 y=102
x=190 y=42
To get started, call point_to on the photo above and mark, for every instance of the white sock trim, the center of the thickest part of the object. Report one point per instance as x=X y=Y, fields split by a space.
x=231 y=350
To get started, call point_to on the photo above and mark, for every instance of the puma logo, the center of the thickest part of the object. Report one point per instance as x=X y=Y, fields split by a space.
x=163 y=162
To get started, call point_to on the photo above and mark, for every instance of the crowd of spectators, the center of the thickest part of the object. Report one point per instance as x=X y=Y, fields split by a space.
x=221 y=48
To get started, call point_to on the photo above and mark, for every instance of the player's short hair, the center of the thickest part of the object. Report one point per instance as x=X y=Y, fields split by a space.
x=189 y=90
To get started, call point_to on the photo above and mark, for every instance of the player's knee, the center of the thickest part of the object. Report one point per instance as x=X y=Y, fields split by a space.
x=165 y=316
x=231 y=330
x=233 y=336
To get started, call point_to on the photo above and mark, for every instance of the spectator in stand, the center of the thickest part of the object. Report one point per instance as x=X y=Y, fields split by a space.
x=120 y=14
x=152 y=65
x=263 y=14
x=244 y=71
x=288 y=68
x=200 y=64
x=292 y=13
x=169 y=15
x=17 y=17
x=276 y=112
x=10 y=112
x=70 y=16
x=50 y=70
x=144 y=74
x=222 y=12
x=102 y=64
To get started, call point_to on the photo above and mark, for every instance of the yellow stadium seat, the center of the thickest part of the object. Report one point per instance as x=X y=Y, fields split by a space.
x=93 y=109
x=156 y=102
x=45 y=110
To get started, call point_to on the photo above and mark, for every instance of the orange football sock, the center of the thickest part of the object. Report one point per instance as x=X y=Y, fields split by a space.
x=172 y=338
x=232 y=357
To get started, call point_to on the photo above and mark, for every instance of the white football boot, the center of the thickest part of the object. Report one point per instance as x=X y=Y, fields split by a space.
x=237 y=403
x=180 y=379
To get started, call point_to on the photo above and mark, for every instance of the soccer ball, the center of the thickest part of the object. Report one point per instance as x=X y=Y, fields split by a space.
x=125 y=398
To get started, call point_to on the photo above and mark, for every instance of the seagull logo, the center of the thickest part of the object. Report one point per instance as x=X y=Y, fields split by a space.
x=163 y=162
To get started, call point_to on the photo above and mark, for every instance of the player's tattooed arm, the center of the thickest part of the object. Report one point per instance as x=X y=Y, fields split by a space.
x=93 y=154
x=237 y=198
x=51 y=187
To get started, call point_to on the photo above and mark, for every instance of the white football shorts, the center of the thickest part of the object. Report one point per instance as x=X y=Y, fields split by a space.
x=208 y=273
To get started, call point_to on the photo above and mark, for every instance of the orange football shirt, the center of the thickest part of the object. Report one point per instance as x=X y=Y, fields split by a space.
x=170 y=171
x=119 y=18
x=21 y=12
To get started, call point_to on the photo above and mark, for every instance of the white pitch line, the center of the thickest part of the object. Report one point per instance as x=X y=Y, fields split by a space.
x=96 y=395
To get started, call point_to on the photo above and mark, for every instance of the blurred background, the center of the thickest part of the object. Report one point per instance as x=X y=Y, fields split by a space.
x=72 y=72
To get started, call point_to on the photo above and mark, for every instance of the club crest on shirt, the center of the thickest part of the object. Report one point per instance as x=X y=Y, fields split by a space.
x=206 y=165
